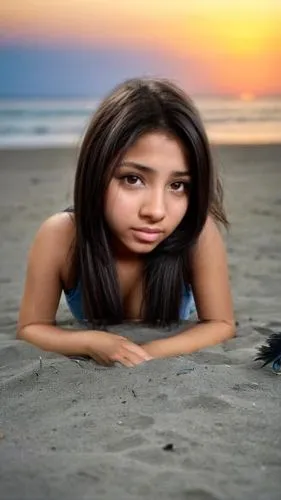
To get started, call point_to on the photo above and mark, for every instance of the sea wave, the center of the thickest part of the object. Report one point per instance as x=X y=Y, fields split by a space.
x=35 y=123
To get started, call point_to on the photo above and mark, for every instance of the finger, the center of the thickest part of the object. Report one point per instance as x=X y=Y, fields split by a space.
x=121 y=358
x=102 y=358
x=133 y=357
x=106 y=362
x=126 y=362
x=105 y=359
x=139 y=351
x=129 y=356
x=99 y=359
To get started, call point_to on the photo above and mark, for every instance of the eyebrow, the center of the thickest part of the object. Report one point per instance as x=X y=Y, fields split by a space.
x=149 y=170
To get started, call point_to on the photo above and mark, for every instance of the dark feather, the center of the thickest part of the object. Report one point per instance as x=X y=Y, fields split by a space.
x=271 y=353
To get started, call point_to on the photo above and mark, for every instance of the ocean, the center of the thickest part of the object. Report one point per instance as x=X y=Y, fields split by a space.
x=59 y=123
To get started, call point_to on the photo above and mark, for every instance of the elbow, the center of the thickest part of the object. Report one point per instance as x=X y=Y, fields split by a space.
x=230 y=329
x=23 y=331
x=20 y=332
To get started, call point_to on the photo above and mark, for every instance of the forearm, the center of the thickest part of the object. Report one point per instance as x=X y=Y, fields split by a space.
x=195 y=338
x=54 y=339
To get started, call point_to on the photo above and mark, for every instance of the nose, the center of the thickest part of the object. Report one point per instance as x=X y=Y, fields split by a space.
x=153 y=206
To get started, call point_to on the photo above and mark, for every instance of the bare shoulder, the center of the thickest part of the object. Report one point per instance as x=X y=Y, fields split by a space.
x=61 y=222
x=210 y=276
x=48 y=264
x=210 y=238
x=58 y=230
x=54 y=242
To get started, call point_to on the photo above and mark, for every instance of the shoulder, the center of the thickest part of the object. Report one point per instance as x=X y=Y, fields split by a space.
x=210 y=275
x=57 y=229
x=48 y=265
x=55 y=238
x=210 y=233
x=209 y=244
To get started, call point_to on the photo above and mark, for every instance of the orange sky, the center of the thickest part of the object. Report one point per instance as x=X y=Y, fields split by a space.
x=238 y=45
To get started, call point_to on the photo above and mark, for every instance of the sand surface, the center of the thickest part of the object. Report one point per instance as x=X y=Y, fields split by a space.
x=73 y=431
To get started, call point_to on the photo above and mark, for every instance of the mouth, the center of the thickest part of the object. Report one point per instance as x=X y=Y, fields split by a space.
x=148 y=235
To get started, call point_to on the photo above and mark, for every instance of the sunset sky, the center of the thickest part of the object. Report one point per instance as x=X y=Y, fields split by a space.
x=83 y=47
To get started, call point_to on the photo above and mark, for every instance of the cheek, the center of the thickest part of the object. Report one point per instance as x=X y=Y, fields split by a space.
x=179 y=209
x=118 y=205
x=118 y=201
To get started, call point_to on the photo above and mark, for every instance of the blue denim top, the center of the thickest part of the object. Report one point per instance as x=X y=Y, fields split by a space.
x=74 y=302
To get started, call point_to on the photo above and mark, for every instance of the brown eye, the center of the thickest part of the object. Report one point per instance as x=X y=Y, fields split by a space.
x=131 y=179
x=179 y=186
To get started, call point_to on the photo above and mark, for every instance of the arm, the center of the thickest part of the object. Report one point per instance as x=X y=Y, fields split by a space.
x=43 y=287
x=47 y=264
x=210 y=285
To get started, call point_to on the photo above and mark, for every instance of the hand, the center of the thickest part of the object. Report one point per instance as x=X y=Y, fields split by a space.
x=108 y=348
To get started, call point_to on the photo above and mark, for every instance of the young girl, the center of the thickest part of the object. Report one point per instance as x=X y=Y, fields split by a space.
x=142 y=238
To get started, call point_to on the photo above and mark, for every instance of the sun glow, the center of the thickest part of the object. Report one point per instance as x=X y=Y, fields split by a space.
x=237 y=44
x=246 y=97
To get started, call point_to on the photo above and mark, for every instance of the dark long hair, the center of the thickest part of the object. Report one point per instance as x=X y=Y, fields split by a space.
x=134 y=108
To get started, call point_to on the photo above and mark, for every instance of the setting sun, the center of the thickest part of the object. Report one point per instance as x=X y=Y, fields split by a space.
x=246 y=97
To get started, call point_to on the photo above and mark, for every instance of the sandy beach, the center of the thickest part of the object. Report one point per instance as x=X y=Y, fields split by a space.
x=201 y=427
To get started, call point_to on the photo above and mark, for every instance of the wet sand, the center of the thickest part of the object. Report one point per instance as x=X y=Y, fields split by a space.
x=205 y=426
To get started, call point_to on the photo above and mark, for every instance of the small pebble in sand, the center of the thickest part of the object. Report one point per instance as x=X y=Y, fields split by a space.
x=120 y=422
x=168 y=447
x=184 y=370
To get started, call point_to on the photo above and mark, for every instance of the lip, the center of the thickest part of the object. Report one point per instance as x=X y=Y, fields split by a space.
x=148 y=235
x=148 y=230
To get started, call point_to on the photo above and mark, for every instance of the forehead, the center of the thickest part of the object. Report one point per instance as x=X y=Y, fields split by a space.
x=158 y=149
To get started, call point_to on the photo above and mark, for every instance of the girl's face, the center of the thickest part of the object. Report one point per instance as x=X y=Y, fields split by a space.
x=148 y=194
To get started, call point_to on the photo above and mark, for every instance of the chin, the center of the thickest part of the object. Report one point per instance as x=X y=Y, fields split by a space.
x=140 y=248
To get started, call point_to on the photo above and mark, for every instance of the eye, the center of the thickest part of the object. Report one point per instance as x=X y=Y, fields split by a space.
x=180 y=187
x=131 y=180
